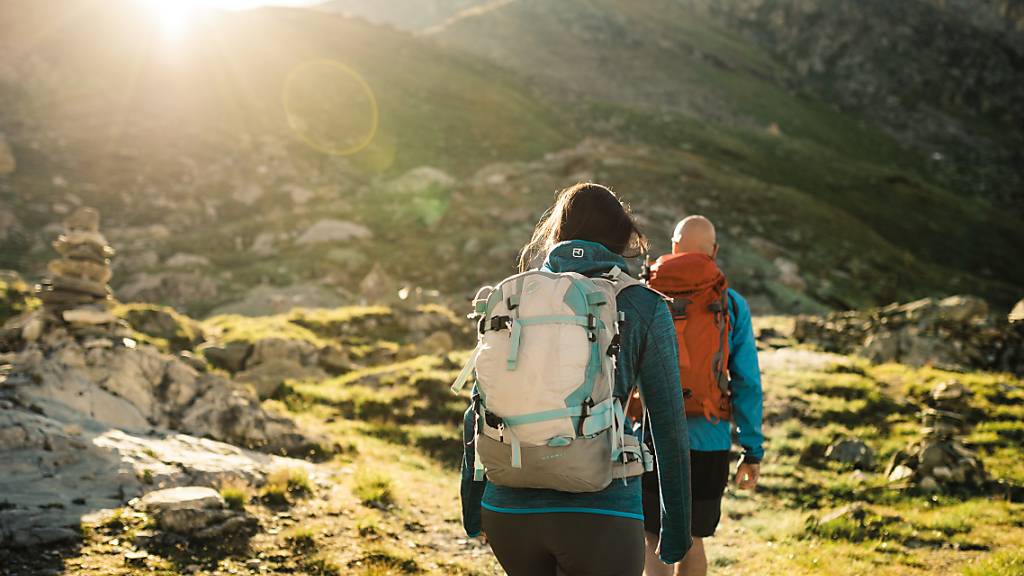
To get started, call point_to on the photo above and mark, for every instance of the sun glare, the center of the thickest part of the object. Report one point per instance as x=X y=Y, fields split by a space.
x=173 y=17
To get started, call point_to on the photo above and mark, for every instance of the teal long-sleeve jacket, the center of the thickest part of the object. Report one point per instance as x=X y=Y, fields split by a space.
x=649 y=357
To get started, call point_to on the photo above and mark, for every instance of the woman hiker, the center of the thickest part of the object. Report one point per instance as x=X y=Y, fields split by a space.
x=586 y=528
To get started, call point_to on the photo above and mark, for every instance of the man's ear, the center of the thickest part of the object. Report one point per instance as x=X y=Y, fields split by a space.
x=714 y=252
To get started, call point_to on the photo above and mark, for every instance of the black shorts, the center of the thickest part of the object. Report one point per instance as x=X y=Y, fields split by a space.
x=709 y=474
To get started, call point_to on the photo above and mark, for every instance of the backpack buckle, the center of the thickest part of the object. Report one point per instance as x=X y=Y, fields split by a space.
x=679 y=306
x=584 y=414
x=493 y=420
x=500 y=323
x=614 y=347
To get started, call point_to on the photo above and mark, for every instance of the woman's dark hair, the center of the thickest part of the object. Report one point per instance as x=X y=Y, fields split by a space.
x=586 y=211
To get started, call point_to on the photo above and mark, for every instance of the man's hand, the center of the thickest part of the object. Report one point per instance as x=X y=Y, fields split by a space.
x=747 y=476
x=481 y=538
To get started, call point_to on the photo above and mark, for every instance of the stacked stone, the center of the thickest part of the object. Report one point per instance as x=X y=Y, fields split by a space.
x=76 y=291
x=940 y=462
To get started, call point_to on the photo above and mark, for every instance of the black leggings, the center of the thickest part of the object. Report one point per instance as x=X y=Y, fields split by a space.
x=566 y=544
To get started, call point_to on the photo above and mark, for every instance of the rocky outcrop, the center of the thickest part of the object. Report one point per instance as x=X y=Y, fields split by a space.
x=137 y=388
x=956 y=332
x=54 y=475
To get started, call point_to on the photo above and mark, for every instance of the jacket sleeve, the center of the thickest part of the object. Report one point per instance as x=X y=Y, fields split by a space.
x=659 y=385
x=472 y=492
x=745 y=376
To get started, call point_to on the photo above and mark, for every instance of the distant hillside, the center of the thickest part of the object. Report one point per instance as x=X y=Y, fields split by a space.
x=413 y=16
x=208 y=156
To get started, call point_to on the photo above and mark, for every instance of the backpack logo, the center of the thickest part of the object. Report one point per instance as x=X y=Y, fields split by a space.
x=577 y=252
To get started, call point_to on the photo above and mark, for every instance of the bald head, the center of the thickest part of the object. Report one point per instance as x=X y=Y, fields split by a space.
x=695 y=234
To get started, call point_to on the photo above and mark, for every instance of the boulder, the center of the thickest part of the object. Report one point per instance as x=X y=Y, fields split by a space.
x=263 y=244
x=267 y=350
x=300 y=196
x=198 y=512
x=963 y=310
x=335 y=360
x=437 y=343
x=789 y=274
x=165 y=323
x=266 y=377
x=330 y=230
x=247 y=194
x=184 y=497
x=420 y=180
x=853 y=452
x=378 y=287
x=230 y=356
x=266 y=300
x=183 y=260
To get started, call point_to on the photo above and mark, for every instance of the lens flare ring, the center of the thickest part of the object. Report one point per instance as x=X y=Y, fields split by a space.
x=295 y=122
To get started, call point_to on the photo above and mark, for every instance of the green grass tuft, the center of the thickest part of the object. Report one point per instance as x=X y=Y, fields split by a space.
x=373 y=488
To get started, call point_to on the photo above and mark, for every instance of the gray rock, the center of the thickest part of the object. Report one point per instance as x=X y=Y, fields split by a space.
x=195 y=511
x=335 y=360
x=852 y=452
x=182 y=260
x=230 y=356
x=329 y=230
x=266 y=377
x=1017 y=314
x=270 y=349
x=183 y=497
x=163 y=322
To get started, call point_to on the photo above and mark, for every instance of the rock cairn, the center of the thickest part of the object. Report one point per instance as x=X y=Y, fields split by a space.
x=939 y=461
x=76 y=291
x=956 y=332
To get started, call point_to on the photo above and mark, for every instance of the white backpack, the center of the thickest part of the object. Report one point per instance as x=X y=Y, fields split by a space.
x=545 y=361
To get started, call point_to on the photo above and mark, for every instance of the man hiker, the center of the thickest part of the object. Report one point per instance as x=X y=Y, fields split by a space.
x=721 y=385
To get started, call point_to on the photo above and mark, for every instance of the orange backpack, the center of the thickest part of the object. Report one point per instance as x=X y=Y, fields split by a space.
x=700 y=310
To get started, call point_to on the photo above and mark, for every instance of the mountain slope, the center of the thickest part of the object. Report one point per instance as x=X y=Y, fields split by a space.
x=916 y=148
x=209 y=154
